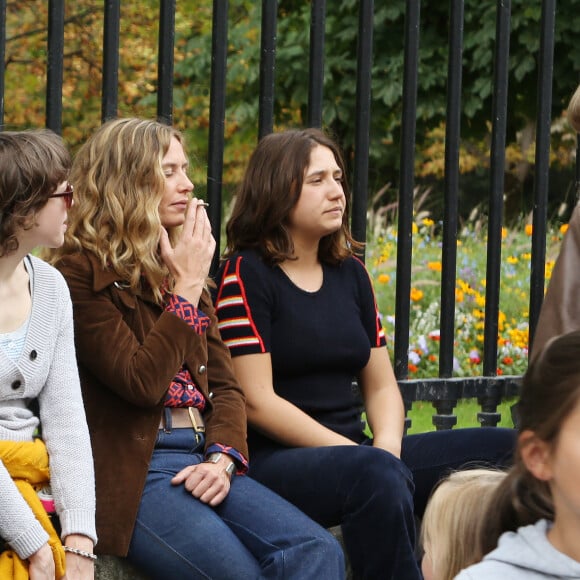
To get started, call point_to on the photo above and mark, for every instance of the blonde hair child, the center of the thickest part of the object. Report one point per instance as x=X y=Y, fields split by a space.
x=452 y=525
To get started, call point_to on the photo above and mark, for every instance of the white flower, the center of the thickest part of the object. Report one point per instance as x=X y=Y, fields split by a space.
x=414 y=357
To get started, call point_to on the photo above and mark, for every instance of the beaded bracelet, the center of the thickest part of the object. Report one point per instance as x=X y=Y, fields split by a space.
x=80 y=553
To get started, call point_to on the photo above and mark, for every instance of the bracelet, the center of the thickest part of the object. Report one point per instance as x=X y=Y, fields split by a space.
x=82 y=553
x=216 y=458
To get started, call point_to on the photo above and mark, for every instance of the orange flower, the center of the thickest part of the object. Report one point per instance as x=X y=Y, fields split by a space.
x=529 y=229
x=416 y=294
x=435 y=266
x=384 y=278
x=563 y=228
x=413 y=368
x=498 y=372
x=507 y=360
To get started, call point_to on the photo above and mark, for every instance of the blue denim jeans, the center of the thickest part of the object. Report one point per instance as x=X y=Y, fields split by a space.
x=374 y=495
x=253 y=533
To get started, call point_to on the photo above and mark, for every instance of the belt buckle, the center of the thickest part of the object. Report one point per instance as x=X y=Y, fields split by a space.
x=197 y=429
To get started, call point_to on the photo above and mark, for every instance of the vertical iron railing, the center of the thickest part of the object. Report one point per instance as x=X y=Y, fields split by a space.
x=406 y=188
x=217 y=116
x=362 y=119
x=111 y=28
x=490 y=400
x=541 y=181
x=54 y=68
x=445 y=407
x=267 y=67
x=165 y=61
x=446 y=389
x=316 y=77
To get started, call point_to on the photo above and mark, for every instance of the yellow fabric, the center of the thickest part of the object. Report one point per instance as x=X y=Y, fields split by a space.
x=27 y=463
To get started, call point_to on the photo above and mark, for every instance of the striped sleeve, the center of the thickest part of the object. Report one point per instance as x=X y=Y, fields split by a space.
x=236 y=318
x=369 y=308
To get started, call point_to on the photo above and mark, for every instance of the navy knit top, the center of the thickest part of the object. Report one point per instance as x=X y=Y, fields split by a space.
x=318 y=341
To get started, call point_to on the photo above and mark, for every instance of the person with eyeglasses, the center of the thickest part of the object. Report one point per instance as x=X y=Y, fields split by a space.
x=46 y=467
x=67 y=195
x=166 y=413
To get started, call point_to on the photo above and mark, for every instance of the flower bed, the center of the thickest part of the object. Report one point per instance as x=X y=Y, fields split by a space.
x=469 y=295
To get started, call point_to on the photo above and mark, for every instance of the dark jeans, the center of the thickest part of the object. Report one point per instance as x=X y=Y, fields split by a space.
x=252 y=534
x=370 y=493
x=432 y=456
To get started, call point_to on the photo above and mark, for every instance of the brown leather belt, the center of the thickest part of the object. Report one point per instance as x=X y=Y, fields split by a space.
x=184 y=417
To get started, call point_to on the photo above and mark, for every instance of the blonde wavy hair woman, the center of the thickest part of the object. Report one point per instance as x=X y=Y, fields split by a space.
x=451 y=531
x=122 y=231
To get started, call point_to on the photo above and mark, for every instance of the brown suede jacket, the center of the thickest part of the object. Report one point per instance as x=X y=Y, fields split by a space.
x=128 y=351
x=560 y=312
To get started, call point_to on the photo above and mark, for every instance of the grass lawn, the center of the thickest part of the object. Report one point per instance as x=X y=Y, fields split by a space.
x=466 y=410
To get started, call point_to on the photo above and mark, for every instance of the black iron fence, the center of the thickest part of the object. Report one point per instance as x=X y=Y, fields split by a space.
x=444 y=391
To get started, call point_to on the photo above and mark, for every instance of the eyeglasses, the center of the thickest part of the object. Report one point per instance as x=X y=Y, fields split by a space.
x=67 y=194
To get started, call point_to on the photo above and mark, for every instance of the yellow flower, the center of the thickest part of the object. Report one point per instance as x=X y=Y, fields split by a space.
x=527 y=256
x=414 y=228
x=416 y=294
x=435 y=266
x=459 y=295
x=563 y=228
x=480 y=300
x=384 y=278
x=518 y=337
x=504 y=233
x=428 y=222
x=549 y=268
x=512 y=260
x=529 y=229
x=465 y=287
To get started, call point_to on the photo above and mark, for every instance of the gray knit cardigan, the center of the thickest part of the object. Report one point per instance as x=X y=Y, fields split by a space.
x=47 y=371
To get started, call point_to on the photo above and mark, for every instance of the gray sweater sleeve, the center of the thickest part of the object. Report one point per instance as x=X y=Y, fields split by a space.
x=18 y=526
x=47 y=370
x=65 y=431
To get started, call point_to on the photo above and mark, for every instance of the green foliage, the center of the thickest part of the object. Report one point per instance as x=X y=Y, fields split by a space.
x=26 y=76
